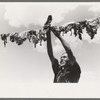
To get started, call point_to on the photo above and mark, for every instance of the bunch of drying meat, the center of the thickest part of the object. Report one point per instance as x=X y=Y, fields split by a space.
x=90 y=26
x=36 y=37
x=4 y=38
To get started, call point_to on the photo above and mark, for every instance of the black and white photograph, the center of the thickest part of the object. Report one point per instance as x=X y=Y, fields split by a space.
x=49 y=50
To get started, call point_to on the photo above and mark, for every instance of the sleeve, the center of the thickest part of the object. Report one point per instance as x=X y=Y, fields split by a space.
x=71 y=57
x=76 y=71
x=55 y=66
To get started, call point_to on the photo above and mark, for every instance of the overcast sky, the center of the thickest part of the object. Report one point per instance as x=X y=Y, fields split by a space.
x=23 y=67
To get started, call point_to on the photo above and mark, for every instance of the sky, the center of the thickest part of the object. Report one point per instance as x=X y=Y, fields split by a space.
x=25 y=68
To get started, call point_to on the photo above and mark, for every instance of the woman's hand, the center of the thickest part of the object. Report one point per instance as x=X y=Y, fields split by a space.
x=56 y=32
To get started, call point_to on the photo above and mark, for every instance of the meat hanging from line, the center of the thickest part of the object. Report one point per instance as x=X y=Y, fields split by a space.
x=39 y=36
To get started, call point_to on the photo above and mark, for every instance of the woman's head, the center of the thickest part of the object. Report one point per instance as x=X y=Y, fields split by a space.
x=63 y=59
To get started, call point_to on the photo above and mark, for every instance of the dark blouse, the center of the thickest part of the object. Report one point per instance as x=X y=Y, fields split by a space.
x=66 y=74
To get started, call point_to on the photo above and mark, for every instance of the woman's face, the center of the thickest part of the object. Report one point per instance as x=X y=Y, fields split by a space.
x=64 y=58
